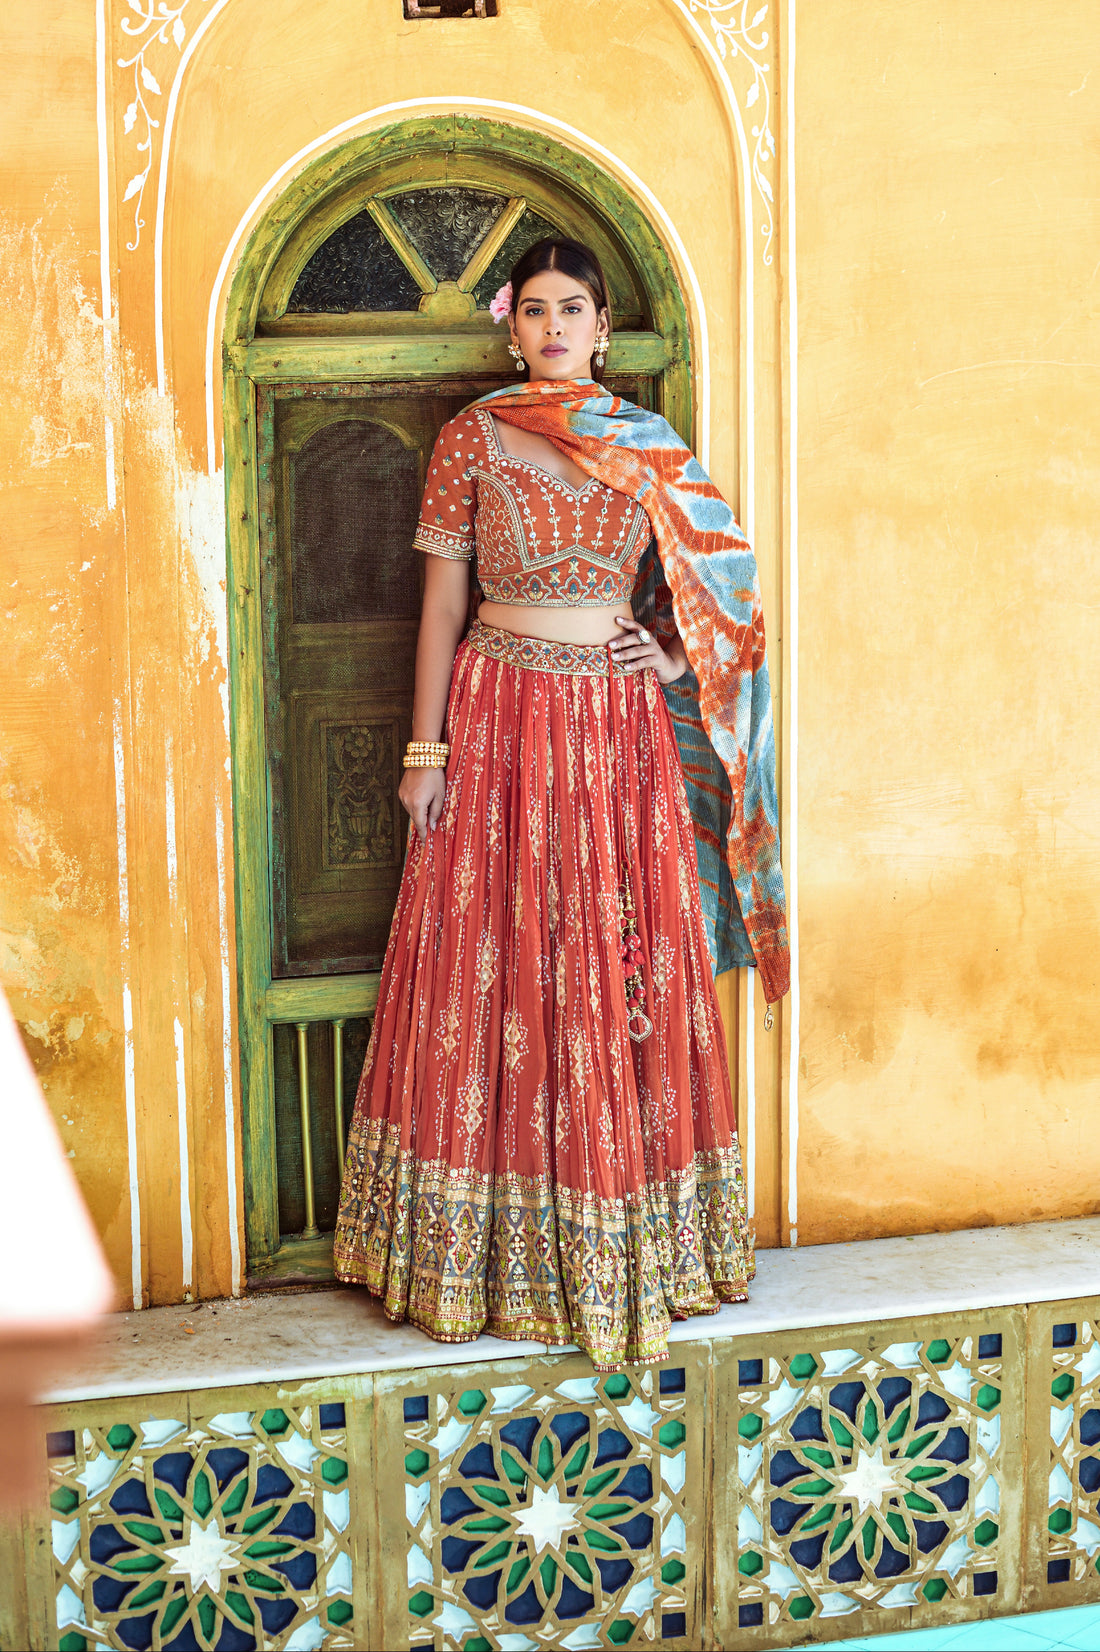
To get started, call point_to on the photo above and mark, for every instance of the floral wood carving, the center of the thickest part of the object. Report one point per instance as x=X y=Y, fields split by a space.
x=361 y=783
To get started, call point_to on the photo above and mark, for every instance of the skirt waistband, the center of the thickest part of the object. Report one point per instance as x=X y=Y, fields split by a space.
x=575 y=659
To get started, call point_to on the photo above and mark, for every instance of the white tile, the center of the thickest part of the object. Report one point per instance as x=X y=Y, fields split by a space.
x=342 y=1331
x=262 y=1338
x=932 y=1273
x=998 y=1635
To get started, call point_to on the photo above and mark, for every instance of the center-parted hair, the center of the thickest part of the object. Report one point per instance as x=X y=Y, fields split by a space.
x=572 y=258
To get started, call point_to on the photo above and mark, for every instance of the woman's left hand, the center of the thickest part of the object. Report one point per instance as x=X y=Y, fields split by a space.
x=638 y=649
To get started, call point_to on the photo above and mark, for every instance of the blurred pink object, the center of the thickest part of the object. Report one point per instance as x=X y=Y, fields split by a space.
x=501 y=305
x=55 y=1282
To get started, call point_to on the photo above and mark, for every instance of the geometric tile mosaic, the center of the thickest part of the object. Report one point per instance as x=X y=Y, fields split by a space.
x=229 y=1532
x=1073 y=1486
x=870 y=1483
x=810 y=1486
x=552 y=1511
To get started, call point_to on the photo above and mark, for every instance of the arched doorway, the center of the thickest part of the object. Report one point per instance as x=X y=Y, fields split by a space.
x=357 y=325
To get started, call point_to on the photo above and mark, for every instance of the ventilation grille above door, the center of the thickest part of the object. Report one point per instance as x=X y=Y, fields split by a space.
x=451 y=8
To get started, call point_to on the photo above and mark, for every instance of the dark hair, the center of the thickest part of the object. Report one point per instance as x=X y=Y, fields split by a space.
x=574 y=259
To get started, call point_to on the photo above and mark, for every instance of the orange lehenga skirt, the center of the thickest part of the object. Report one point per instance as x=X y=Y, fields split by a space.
x=519 y=1161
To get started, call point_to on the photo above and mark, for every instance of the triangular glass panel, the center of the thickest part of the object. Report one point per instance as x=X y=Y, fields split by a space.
x=446 y=226
x=531 y=228
x=355 y=269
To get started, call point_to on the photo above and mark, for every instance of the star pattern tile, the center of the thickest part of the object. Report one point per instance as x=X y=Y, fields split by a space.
x=561 y=1519
x=868 y=1484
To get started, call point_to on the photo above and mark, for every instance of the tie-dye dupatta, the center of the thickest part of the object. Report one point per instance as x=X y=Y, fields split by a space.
x=721 y=708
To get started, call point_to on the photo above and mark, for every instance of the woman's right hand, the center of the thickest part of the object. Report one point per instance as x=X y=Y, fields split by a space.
x=421 y=793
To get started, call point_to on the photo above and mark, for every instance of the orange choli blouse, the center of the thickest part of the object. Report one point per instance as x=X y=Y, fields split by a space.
x=537 y=539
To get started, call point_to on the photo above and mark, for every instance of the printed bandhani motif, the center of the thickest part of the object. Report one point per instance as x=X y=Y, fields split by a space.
x=519 y=1161
x=721 y=708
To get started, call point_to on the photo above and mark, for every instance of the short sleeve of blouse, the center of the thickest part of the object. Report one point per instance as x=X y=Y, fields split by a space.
x=446 y=525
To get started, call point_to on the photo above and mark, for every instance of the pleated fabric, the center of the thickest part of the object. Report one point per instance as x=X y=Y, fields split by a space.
x=517 y=1162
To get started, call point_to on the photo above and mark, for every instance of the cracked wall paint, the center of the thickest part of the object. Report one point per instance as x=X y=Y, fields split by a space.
x=200 y=509
x=50 y=334
x=58 y=942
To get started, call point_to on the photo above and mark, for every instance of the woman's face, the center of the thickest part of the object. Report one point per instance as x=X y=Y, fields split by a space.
x=556 y=324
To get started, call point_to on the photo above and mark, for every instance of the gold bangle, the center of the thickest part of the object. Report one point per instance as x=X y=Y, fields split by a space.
x=426 y=754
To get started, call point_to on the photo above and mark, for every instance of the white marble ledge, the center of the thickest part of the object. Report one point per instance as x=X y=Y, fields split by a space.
x=342 y=1332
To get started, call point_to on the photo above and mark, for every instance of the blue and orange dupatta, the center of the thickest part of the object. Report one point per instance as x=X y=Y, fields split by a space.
x=699 y=575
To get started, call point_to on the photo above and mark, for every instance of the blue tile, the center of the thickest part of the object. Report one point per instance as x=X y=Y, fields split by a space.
x=1087 y=1638
x=1065 y=1628
x=997 y=1635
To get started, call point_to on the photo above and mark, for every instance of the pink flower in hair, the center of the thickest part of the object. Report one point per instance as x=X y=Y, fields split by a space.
x=501 y=305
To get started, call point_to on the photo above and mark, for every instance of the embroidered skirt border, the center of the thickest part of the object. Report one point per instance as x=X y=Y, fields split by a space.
x=459 y=1253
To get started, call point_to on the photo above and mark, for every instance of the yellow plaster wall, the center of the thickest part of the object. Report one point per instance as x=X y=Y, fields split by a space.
x=119 y=608
x=58 y=854
x=946 y=770
x=949 y=490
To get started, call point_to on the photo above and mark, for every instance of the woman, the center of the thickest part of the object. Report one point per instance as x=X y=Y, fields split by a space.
x=543 y=1143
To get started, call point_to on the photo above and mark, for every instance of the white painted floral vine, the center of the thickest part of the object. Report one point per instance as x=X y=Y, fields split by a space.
x=738 y=35
x=153 y=23
x=160 y=24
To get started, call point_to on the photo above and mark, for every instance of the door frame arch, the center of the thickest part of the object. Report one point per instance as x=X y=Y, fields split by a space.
x=328 y=191
x=259 y=354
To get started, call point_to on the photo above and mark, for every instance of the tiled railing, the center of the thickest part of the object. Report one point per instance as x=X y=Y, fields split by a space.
x=759 y=1490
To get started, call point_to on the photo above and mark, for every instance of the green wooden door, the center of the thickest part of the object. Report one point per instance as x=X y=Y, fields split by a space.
x=341 y=590
x=341 y=587
x=357 y=326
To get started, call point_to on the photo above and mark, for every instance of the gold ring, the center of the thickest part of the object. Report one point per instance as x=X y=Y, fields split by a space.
x=644 y=635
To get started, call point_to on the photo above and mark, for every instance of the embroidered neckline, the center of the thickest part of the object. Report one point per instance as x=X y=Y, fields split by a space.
x=516 y=459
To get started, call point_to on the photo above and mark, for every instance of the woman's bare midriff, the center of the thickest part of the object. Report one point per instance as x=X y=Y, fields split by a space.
x=590 y=624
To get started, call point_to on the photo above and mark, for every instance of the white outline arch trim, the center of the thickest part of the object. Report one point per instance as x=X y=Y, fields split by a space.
x=794 y=1013
x=162 y=187
x=465 y=105
x=211 y=18
x=625 y=174
x=748 y=261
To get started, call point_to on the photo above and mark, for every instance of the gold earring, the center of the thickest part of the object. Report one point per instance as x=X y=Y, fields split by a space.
x=601 y=350
x=517 y=356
